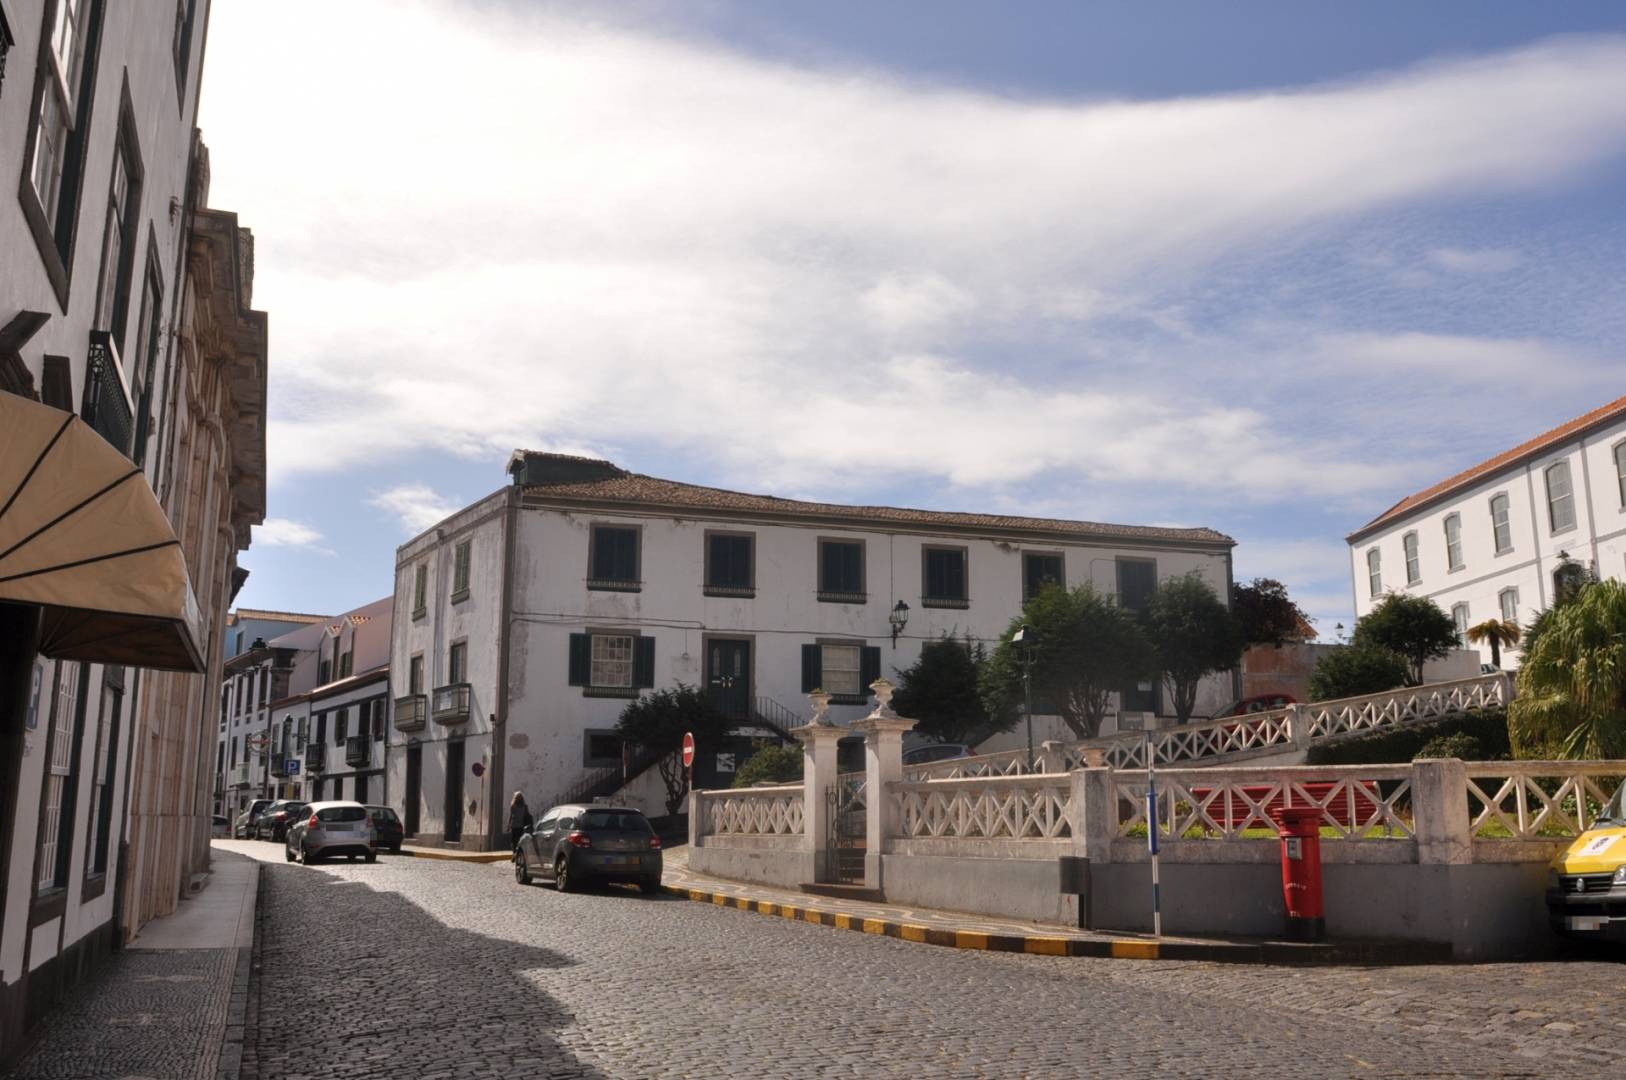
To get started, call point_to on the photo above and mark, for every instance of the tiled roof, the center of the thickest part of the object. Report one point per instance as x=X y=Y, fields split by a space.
x=635 y=489
x=1533 y=448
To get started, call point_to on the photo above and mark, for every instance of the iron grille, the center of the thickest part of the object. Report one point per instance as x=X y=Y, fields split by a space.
x=107 y=406
x=410 y=712
x=452 y=703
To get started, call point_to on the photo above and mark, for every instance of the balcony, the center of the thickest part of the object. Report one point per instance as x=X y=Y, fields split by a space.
x=279 y=764
x=315 y=757
x=358 y=751
x=107 y=405
x=411 y=712
x=239 y=776
x=452 y=704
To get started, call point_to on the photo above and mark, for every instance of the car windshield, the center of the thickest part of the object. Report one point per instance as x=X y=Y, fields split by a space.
x=609 y=819
x=342 y=813
x=1613 y=812
x=295 y=808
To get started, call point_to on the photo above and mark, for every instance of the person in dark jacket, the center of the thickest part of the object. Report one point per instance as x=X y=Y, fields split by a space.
x=519 y=819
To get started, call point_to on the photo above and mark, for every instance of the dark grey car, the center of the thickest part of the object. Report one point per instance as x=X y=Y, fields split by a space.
x=575 y=844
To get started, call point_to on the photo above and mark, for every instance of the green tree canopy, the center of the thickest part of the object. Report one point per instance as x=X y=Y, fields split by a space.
x=940 y=690
x=1352 y=670
x=1193 y=635
x=656 y=723
x=772 y=765
x=1265 y=614
x=1572 y=684
x=1500 y=633
x=1088 y=648
x=1412 y=626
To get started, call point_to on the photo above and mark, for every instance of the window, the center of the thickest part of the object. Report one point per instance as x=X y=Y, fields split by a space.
x=1560 y=500
x=601 y=748
x=616 y=664
x=145 y=362
x=943 y=571
x=730 y=564
x=1501 y=528
x=101 y=780
x=613 y=559
x=265 y=685
x=1453 y=541
x=346 y=659
x=1374 y=571
x=341 y=726
x=378 y=720
x=56 y=825
x=1620 y=471
x=324 y=671
x=64 y=89
x=415 y=674
x=1459 y=616
x=457 y=667
x=1509 y=601
x=1141 y=697
x=113 y=280
x=1414 y=571
x=420 y=590
x=185 y=10
x=1137 y=579
x=1039 y=570
x=460 y=570
x=841 y=571
x=842 y=669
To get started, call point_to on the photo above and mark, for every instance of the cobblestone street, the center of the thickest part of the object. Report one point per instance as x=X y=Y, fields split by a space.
x=414 y=968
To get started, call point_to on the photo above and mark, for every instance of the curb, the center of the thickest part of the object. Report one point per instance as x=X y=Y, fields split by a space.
x=1375 y=953
x=460 y=856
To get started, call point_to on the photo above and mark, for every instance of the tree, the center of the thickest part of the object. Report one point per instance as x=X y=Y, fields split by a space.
x=1413 y=626
x=1088 y=648
x=1193 y=635
x=771 y=764
x=1572 y=685
x=1353 y=670
x=1265 y=614
x=1498 y=632
x=656 y=723
x=940 y=690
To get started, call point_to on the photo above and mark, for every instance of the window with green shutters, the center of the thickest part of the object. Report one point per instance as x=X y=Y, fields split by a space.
x=460 y=570
x=943 y=571
x=730 y=569
x=612 y=561
x=420 y=590
x=841 y=571
x=842 y=669
x=611 y=663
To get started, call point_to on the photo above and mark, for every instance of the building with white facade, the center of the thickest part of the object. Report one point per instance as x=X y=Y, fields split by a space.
x=1497 y=540
x=525 y=622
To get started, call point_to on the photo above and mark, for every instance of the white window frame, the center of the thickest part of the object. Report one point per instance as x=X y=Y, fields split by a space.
x=58 y=109
x=1620 y=471
x=613 y=659
x=1459 y=616
x=1453 y=544
x=841 y=649
x=1565 y=498
x=1409 y=546
x=1504 y=525
x=58 y=770
x=1374 y=571
x=1503 y=604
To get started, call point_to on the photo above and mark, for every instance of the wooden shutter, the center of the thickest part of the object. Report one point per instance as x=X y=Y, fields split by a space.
x=581 y=659
x=869 y=666
x=812 y=668
x=643 y=662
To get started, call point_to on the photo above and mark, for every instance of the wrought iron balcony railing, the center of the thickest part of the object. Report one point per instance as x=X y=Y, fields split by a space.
x=452 y=704
x=315 y=757
x=358 y=750
x=107 y=406
x=279 y=764
x=411 y=712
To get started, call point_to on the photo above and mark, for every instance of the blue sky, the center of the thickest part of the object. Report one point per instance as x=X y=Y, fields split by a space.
x=1262 y=267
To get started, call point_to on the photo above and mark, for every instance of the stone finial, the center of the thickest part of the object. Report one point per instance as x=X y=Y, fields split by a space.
x=821 y=709
x=883 y=691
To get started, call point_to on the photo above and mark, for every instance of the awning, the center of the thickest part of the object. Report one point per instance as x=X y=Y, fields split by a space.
x=83 y=537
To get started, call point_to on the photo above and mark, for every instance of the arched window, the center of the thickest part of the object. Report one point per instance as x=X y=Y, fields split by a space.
x=1414 y=569
x=1453 y=541
x=1560 y=499
x=1501 y=527
x=1459 y=616
x=1374 y=571
x=1509 y=601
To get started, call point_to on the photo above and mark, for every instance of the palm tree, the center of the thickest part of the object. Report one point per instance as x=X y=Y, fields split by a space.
x=1572 y=686
x=1499 y=632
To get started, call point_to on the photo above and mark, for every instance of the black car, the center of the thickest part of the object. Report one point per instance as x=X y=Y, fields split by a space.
x=575 y=844
x=388 y=832
x=272 y=824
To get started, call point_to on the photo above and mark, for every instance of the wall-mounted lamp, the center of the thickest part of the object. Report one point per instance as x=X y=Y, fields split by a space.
x=899 y=619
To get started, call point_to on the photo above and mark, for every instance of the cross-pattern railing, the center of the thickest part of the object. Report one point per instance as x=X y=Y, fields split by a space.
x=1356 y=803
x=1538 y=800
x=762 y=811
x=1431 y=701
x=1006 y=808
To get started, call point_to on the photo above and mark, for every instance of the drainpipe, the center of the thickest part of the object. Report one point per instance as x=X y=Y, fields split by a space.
x=497 y=805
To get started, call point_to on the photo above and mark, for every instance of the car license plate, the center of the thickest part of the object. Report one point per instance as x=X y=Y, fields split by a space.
x=616 y=860
x=1584 y=922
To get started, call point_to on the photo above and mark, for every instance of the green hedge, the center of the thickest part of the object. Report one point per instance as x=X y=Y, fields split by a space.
x=1486 y=732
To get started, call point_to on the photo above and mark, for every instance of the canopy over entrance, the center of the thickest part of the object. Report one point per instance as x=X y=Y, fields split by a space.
x=83 y=537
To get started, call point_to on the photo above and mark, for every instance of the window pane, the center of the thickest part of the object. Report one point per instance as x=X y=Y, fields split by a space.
x=1510 y=605
x=1413 y=564
x=1137 y=579
x=1039 y=571
x=612 y=660
x=1620 y=471
x=1500 y=527
x=945 y=574
x=1374 y=571
x=1560 y=501
x=1453 y=542
x=841 y=669
x=615 y=554
x=841 y=567
x=728 y=563
x=1459 y=615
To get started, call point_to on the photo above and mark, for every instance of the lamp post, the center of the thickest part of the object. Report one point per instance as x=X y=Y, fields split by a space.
x=899 y=618
x=1027 y=637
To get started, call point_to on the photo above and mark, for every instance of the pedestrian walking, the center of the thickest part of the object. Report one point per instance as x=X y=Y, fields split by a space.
x=519 y=819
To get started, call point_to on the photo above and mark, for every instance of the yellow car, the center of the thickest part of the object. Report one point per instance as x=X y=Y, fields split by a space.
x=1586 y=885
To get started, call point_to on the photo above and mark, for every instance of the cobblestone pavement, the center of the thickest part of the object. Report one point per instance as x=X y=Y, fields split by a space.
x=413 y=968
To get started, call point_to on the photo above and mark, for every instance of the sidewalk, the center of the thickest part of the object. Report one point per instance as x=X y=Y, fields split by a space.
x=455 y=854
x=963 y=931
x=171 y=1004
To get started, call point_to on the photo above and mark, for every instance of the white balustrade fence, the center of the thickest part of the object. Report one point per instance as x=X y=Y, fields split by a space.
x=1538 y=800
x=1433 y=701
x=1356 y=802
x=762 y=811
x=1009 y=808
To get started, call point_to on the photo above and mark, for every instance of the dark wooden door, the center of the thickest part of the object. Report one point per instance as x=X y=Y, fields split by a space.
x=728 y=674
x=414 y=789
x=454 y=790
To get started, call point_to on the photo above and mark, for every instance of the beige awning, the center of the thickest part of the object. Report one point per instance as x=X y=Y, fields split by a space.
x=83 y=536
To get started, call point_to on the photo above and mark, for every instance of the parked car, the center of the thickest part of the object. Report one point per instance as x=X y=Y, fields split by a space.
x=1259 y=703
x=272 y=823
x=388 y=832
x=220 y=827
x=575 y=844
x=242 y=828
x=1586 y=885
x=339 y=827
x=925 y=755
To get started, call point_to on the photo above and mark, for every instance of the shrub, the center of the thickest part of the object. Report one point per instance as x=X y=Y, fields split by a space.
x=1398 y=745
x=771 y=764
x=1352 y=670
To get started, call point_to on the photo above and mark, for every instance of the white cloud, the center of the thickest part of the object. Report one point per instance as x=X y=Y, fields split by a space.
x=1475 y=260
x=281 y=532
x=416 y=505
x=582 y=234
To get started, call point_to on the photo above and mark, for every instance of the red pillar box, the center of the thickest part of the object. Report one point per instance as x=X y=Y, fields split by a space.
x=1300 y=831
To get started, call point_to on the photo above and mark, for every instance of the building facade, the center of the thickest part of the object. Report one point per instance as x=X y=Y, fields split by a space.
x=1499 y=540
x=527 y=621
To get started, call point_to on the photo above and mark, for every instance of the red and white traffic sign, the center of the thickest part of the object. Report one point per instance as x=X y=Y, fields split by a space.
x=688 y=749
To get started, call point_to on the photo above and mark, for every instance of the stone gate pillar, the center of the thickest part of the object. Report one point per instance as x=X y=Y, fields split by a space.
x=883 y=764
x=819 y=737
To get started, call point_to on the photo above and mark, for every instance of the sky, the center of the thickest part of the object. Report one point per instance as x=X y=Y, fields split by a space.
x=1262 y=267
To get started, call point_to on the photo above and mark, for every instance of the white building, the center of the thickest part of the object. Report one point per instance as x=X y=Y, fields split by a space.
x=1495 y=541
x=539 y=611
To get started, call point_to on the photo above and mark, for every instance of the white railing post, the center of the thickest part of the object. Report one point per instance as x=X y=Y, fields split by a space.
x=1091 y=814
x=1052 y=757
x=697 y=831
x=1439 y=801
x=818 y=773
x=1298 y=726
x=883 y=766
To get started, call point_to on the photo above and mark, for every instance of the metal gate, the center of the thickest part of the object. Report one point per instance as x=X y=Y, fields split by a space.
x=847 y=827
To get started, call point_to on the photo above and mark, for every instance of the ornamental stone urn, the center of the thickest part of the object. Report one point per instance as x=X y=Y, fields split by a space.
x=821 y=709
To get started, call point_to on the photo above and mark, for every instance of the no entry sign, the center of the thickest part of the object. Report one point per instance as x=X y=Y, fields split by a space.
x=688 y=749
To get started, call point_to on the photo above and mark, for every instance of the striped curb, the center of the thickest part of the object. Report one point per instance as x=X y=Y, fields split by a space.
x=460 y=856
x=1385 y=953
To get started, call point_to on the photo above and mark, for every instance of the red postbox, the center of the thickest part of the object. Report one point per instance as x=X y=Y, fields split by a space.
x=1300 y=831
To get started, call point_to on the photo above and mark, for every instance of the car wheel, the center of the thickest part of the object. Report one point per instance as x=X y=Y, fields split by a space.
x=288 y=853
x=522 y=870
x=396 y=850
x=372 y=856
x=650 y=885
x=562 y=878
x=306 y=856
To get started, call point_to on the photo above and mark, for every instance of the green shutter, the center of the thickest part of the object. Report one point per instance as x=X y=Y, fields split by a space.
x=581 y=659
x=869 y=666
x=812 y=668
x=643 y=663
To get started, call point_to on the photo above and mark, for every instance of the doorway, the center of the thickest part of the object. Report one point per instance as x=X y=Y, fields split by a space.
x=454 y=791
x=728 y=676
x=414 y=788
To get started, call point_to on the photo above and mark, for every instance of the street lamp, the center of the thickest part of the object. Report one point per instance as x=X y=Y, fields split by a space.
x=899 y=619
x=1027 y=638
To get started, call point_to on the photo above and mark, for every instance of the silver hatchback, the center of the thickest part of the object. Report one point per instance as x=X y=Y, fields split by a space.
x=331 y=828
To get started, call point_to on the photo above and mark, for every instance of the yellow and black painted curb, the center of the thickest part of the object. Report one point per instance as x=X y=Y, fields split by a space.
x=459 y=856
x=1105 y=948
